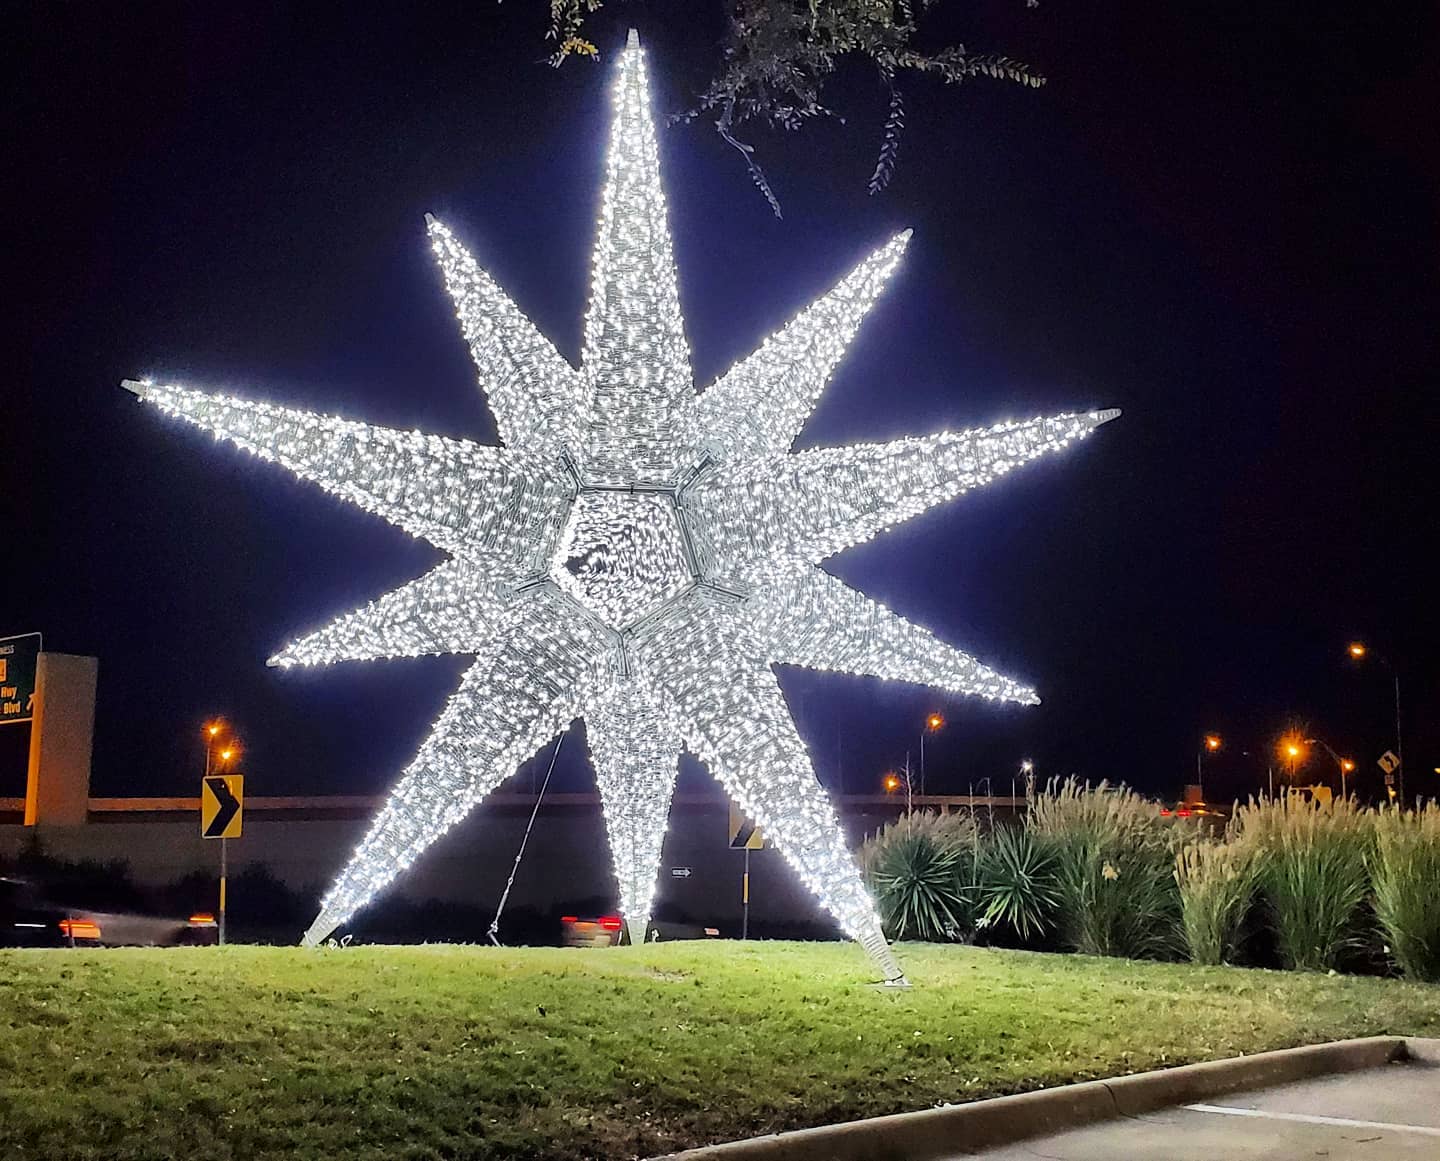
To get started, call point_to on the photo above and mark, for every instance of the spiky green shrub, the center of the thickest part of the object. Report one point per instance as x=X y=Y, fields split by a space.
x=1217 y=882
x=920 y=871
x=1405 y=869
x=1115 y=867
x=1017 y=888
x=1312 y=866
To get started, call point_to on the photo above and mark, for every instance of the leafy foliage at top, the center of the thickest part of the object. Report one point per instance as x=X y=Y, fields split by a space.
x=779 y=55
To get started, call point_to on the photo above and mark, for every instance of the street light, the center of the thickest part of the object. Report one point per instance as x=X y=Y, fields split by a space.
x=1209 y=744
x=934 y=723
x=893 y=782
x=1345 y=764
x=211 y=731
x=1359 y=651
x=1292 y=752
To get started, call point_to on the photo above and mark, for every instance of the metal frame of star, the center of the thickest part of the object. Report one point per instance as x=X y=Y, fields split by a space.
x=635 y=554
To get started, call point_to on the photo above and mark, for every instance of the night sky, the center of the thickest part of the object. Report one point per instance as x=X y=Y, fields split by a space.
x=1220 y=217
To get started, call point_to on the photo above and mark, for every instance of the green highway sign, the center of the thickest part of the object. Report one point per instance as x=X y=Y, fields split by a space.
x=18 y=658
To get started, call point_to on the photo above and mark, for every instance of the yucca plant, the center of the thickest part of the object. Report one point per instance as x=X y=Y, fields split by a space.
x=1115 y=865
x=1405 y=870
x=919 y=869
x=1216 y=881
x=1313 y=871
x=1018 y=890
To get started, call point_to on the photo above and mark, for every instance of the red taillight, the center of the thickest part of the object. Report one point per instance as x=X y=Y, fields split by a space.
x=80 y=928
x=569 y=919
x=1165 y=812
x=610 y=922
x=1182 y=814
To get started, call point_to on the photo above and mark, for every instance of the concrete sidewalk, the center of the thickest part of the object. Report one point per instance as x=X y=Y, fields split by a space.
x=1374 y=1115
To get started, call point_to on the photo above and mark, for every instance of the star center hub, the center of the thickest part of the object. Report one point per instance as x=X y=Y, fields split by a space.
x=621 y=555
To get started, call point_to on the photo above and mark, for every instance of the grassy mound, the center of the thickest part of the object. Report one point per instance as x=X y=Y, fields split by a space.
x=460 y=1052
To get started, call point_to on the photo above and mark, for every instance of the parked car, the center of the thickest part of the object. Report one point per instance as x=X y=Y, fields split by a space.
x=29 y=918
x=602 y=931
x=605 y=931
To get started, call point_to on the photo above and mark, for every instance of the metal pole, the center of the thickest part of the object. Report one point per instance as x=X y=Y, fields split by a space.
x=745 y=898
x=1399 y=744
x=224 y=870
x=922 y=763
x=1200 y=771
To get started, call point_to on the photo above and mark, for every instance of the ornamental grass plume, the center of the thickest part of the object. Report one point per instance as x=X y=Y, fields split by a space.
x=1217 y=880
x=1313 y=874
x=1115 y=859
x=1405 y=870
x=920 y=869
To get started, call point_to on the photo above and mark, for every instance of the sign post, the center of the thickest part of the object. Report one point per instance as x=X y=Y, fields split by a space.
x=744 y=836
x=19 y=657
x=222 y=813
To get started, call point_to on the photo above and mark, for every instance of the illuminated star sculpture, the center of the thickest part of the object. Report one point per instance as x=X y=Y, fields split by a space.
x=635 y=554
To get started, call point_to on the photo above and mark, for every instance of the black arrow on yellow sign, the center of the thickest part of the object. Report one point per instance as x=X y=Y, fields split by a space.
x=227 y=807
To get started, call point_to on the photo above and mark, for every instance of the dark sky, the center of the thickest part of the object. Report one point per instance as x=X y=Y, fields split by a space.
x=1221 y=217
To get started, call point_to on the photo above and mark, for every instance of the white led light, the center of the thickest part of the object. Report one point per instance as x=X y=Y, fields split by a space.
x=636 y=554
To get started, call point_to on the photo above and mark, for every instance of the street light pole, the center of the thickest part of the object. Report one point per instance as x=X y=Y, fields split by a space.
x=1345 y=764
x=1210 y=742
x=211 y=732
x=1359 y=650
x=1399 y=742
x=934 y=723
x=225 y=756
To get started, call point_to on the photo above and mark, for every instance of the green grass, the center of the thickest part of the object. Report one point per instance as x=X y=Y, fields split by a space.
x=443 y=1052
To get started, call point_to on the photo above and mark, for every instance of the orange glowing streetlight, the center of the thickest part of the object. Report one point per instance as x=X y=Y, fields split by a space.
x=1344 y=765
x=1360 y=651
x=934 y=723
x=894 y=779
x=212 y=730
x=1209 y=744
x=1292 y=751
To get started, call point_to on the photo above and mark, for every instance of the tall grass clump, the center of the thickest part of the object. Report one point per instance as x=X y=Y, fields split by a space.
x=1405 y=870
x=1115 y=860
x=1313 y=872
x=920 y=869
x=1217 y=881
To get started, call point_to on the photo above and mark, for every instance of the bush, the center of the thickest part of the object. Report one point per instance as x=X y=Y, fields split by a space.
x=1018 y=891
x=1405 y=862
x=1313 y=872
x=1217 y=882
x=920 y=869
x=1115 y=866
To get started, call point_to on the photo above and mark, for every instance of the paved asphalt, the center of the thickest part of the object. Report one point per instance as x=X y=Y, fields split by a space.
x=1375 y=1115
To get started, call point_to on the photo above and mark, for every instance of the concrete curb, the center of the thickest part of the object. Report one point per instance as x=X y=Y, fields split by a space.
x=957 y=1129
